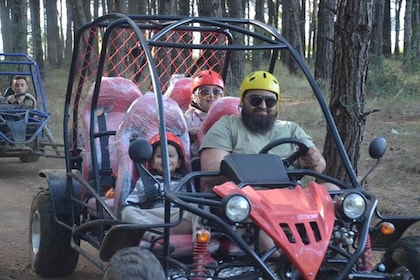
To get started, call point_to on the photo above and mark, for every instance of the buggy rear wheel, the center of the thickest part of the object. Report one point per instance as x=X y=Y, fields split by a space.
x=51 y=253
x=134 y=263
x=29 y=158
x=404 y=257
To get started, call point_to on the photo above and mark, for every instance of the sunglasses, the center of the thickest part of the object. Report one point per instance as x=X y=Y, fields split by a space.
x=256 y=100
x=208 y=91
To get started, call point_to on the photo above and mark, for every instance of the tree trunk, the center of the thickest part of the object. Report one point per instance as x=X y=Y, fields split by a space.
x=6 y=26
x=95 y=9
x=237 y=60
x=398 y=4
x=258 y=56
x=137 y=6
x=79 y=14
x=415 y=42
x=387 y=29
x=142 y=6
x=164 y=7
x=408 y=32
x=377 y=28
x=184 y=8
x=211 y=8
x=68 y=48
x=301 y=22
x=272 y=13
x=54 y=47
x=312 y=31
x=38 y=53
x=348 y=88
x=325 y=41
x=116 y=6
x=291 y=31
x=19 y=35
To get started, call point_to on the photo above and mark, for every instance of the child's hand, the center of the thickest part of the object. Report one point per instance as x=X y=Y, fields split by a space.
x=193 y=133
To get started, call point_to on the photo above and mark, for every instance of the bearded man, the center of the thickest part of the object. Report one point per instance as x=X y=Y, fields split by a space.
x=256 y=127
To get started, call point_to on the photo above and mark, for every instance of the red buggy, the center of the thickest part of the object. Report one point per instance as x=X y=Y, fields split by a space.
x=117 y=99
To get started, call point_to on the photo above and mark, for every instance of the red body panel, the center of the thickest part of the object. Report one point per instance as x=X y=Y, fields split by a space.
x=280 y=212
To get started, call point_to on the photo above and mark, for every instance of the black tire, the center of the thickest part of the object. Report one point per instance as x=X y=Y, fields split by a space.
x=51 y=253
x=29 y=158
x=134 y=263
x=404 y=255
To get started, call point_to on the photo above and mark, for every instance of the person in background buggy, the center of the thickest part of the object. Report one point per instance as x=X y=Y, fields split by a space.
x=207 y=86
x=17 y=93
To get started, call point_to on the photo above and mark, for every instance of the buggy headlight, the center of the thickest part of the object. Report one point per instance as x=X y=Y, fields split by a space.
x=237 y=208
x=352 y=205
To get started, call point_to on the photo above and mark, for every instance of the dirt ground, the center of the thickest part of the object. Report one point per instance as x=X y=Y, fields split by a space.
x=19 y=183
x=395 y=181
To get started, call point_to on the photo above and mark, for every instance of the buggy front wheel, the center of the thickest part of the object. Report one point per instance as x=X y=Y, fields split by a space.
x=134 y=263
x=51 y=253
x=29 y=158
x=403 y=257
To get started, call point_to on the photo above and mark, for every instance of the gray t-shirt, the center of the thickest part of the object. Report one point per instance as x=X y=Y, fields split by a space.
x=230 y=134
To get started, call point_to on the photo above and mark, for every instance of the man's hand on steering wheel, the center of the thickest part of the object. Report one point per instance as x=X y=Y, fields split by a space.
x=300 y=151
x=313 y=159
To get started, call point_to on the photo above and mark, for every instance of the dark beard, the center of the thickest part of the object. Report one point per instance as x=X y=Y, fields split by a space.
x=258 y=123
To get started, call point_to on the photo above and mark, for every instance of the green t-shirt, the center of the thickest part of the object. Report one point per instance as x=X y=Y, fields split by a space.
x=230 y=134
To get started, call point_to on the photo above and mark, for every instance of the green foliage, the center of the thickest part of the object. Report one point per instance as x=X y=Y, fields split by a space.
x=4 y=79
x=56 y=82
x=386 y=78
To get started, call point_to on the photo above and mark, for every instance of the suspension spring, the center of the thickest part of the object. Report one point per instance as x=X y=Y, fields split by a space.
x=366 y=257
x=199 y=257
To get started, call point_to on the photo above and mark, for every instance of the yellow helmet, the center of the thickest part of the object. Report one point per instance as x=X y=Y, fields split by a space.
x=260 y=80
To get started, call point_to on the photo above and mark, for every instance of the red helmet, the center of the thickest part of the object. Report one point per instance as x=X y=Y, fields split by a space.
x=173 y=140
x=207 y=78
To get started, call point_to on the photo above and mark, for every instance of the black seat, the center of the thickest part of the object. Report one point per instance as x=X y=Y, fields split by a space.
x=255 y=169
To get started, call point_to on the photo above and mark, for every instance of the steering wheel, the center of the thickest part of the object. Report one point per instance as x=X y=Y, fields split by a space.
x=303 y=148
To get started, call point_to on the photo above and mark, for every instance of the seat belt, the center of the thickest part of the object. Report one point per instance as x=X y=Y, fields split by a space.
x=105 y=172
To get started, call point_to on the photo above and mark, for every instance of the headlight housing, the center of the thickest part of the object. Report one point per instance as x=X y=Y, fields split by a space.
x=237 y=208
x=352 y=205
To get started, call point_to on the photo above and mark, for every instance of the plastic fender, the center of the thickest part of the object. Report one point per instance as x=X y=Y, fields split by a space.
x=57 y=184
x=280 y=213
